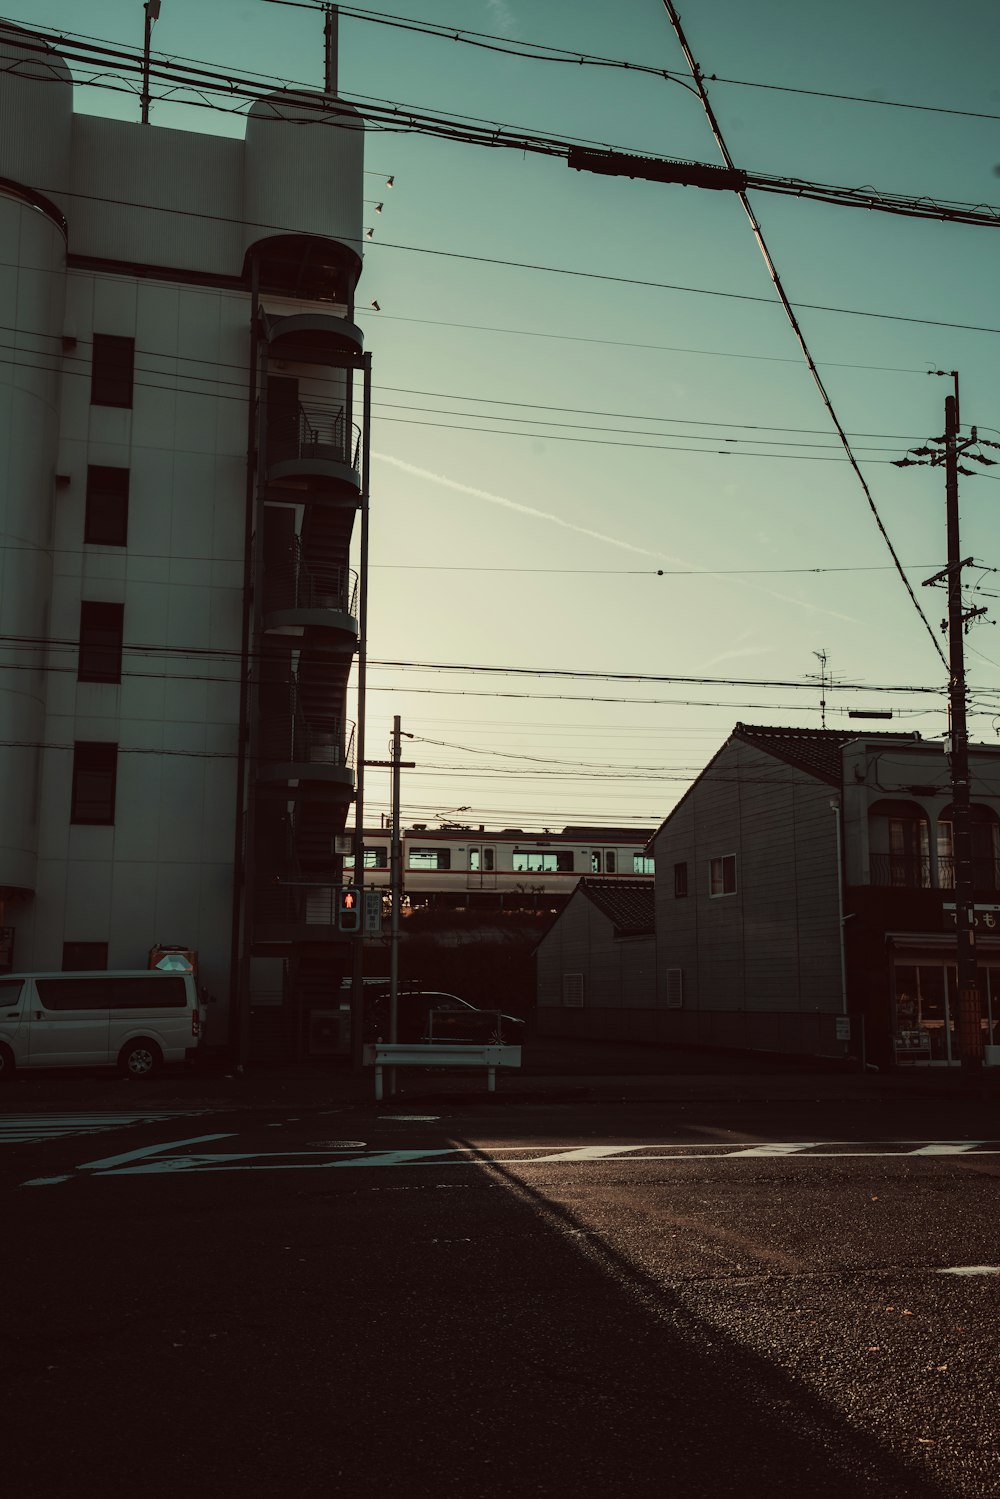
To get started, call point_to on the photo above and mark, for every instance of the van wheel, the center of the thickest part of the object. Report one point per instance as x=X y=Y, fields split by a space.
x=139 y=1059
x=6 y=1064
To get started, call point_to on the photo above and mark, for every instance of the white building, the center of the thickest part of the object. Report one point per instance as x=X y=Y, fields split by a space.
x=181 y=403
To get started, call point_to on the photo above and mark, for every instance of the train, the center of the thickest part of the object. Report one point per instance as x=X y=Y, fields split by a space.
x=455 y=865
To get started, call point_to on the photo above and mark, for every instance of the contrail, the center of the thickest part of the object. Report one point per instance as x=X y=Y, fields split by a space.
x=568 y=525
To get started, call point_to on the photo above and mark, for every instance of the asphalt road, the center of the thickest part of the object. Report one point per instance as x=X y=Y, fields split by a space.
x=549 y=1298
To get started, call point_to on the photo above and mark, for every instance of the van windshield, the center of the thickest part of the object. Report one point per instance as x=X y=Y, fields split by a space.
x=10 y=993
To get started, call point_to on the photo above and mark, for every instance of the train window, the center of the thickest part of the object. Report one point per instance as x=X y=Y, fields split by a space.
x=429 y=858
x=595 y=861
x=481 y=859
x=376 y=856
x=642 y=864
x=541 y=861
x=610 y=861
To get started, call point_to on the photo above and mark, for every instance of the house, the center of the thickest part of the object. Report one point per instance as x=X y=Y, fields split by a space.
x=596 y=964
x=805 y=896
x=181 y=429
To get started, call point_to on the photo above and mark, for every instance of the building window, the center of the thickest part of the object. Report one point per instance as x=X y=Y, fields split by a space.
x=79 y=956
x=111 y=373
x=106 y=522
x=95 y=768
x=572 y=989
x=722 y=875
x=100 y=657
x=675 y=988
x=541 y=861
x=642 y=864
x=680 y=881
x=430 y=858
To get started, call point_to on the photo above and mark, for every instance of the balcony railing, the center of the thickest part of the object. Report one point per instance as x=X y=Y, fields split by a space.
x=908 y=871
x=313 y=429
x=297 y=584
x=290 y=739
x=985 y=873
x=296 y=902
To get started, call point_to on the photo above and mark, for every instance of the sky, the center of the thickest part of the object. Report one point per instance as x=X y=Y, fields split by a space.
x=515 y=523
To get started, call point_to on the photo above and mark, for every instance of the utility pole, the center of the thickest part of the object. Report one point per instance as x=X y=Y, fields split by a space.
x=330 y=48
x=946 y=453
x=152 y=9
x=396 y=764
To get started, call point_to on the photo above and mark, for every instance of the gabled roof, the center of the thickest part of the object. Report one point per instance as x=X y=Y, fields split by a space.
x=629 y=907
x=816 y=751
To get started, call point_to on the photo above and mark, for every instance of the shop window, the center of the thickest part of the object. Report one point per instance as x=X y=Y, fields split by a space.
x=112 y=370
x=106 y=518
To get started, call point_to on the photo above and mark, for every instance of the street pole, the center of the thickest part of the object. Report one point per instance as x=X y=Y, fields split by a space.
x=969 y=1029
x=152 y=9
x=396 y=884
x=330 y=49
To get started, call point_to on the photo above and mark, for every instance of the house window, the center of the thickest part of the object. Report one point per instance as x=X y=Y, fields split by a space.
x=430 y=858
x=100 y=657
x=675 y=988
x=79 y=956
x=106 y=521
x=722 y=875
x=610 y=861
x=541 y=861
x=95 y=768
x=642 y=864
x=680 y=881
x=572 y=989
x=111 y=373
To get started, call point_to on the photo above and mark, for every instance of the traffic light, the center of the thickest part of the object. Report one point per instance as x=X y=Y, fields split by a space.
x=348 y=909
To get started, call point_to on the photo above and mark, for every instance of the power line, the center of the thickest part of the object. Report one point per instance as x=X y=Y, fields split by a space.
x=542 y=52
x=772 y=270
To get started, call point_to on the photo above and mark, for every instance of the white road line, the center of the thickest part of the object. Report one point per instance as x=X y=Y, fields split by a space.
x=27 y=1129
x=587 y=1153
x=951 y=1147
x=772 y=1150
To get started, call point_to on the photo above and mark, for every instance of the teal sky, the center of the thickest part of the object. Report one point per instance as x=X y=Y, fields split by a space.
x=483 y=541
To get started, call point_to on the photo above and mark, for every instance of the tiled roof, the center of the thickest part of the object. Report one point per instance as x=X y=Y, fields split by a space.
x=628 y=906
x=816 y=751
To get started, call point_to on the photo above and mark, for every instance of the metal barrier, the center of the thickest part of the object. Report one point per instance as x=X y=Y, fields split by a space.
x=379 y=1054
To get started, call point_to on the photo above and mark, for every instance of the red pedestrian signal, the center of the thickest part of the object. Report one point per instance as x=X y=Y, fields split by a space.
x=348 y=909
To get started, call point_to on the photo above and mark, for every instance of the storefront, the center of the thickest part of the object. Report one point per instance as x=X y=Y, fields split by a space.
x=924 y=998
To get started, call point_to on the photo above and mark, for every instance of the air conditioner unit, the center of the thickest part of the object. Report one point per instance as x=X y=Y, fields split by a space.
x=329 y=1033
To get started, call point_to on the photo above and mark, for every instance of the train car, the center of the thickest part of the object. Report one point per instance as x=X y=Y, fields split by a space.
x=464 y=866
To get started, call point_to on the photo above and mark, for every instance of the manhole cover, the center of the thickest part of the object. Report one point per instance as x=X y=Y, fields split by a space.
x=337 y=1144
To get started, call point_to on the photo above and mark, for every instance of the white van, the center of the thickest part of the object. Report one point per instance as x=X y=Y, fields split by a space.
x=135 y=1020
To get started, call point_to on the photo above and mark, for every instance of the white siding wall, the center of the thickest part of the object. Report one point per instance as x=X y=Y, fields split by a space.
x=770 y=950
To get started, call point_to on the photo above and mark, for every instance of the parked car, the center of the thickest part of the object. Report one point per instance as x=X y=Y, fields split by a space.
x=433 y=1015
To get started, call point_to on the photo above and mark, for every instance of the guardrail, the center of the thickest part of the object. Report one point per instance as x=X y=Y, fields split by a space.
x=380 y=1054
x=313 y=429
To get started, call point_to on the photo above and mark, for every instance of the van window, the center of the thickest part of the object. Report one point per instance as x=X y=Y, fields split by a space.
x=10 y=993
x=112 y=993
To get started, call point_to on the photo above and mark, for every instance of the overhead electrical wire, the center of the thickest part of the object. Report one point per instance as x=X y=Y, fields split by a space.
x=772 y=270
x=389 y=116
x=543 y=52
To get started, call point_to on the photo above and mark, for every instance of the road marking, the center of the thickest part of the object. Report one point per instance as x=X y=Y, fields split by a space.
x=971 y=1270
x=176 y=1156
x=27 y=1129
x=587 y=1153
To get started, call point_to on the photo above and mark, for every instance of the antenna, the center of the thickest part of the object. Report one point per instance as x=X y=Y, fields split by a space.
x=330 y=48
x=822 y=658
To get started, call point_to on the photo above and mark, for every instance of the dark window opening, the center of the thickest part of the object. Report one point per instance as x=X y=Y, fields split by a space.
x=101 y=628
x=722 y=875
x=111 y=373
x=106 y=522
x=80 y=956
x=680 y=881
x=95 y=766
